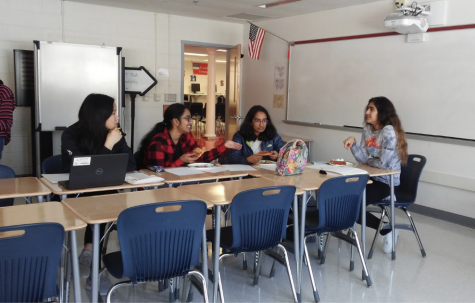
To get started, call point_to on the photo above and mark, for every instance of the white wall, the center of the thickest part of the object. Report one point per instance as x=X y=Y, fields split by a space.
x=442 y=166
x=147 y=39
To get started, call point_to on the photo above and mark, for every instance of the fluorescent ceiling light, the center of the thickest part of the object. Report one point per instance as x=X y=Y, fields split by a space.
x=219 y=61
x=277 y=3
x=199 y=55
x=221 y=50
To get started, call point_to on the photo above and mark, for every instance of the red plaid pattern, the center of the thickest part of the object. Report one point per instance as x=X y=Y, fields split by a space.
x=160 y=152
x=7 y=105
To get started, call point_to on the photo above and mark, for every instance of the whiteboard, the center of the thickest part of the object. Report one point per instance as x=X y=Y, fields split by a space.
x=66 y=73
x=431 y=84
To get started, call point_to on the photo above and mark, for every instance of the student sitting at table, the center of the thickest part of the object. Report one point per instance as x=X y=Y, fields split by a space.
x=383 y=145
x=257 y=134
x=96 y=133
x=170 y=143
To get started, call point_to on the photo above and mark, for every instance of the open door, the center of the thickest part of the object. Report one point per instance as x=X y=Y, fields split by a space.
x=233 y=91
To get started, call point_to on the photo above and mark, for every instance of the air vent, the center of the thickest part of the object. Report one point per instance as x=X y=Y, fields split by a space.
x=247 y=17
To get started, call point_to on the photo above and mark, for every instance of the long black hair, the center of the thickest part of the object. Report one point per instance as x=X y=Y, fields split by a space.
x=174 y=111
x=246 y=130
x=93 y=114
x=387 y=115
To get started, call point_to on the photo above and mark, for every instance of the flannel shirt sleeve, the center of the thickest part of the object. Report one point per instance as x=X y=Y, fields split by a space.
x=156 y=155
x=212 y=154
x=7 y=105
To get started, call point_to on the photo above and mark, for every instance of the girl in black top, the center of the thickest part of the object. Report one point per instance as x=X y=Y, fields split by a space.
x=96 y=133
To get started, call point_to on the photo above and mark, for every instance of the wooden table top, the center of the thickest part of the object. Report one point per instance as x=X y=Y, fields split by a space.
x=106 y=208
x=310 y=180
x=22 y=187
x=374 y=171
x=262 y=171
x=172 y=178
x=60 y=190
x=40 y=213
x=222 y=193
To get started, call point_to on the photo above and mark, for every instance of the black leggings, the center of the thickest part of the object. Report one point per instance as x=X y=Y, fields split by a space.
x=375 y=192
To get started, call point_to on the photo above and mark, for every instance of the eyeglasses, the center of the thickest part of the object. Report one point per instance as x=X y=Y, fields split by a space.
x=259 y=121
x=187 y=118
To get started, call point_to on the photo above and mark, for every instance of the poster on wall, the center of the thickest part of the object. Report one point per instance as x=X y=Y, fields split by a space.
x=200 y=68
x=279 y=86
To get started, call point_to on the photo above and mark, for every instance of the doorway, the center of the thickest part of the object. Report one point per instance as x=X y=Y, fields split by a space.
x=195 y=86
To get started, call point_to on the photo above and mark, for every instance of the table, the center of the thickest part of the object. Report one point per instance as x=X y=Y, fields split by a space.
x=375 y=172
x=172 y=179
x=286 y=139
x=106 y=208
x=48 y=212
x=222 y=193
x=23 y=187
x=63 y=192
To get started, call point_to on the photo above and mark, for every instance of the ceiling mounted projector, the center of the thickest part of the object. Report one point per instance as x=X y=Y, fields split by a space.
x=406 y=24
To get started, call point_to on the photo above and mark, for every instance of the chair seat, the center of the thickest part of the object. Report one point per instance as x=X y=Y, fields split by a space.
x=113 y=263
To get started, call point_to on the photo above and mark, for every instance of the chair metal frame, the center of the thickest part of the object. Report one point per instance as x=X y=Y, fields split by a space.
x=407 y=193
x=335 y=194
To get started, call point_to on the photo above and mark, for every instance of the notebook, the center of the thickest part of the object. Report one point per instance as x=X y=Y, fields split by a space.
x=96 y=171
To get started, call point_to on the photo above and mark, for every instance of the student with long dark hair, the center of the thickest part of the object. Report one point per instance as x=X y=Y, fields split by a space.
x=257 y=134
x=95 y=133
x=170 y=143
x=383 y=145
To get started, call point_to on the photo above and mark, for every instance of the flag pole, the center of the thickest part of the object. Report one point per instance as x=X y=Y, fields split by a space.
x=269 y=32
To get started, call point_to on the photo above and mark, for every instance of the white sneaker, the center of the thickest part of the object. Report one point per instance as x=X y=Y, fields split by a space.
x=388 y=242
x=85 y=261
x=104 y=284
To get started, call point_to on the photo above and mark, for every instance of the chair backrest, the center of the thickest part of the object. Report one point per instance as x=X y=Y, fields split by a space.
x=6 y=173
x=259 y=217
x=220 y=111
x=221 y=99
x=157 y=245
x=339 y=202
x=30 y=262
x=51 y=165
x=406 y=192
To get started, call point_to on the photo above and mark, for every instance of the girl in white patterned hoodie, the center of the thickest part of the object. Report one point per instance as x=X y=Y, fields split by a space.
x=383 y=145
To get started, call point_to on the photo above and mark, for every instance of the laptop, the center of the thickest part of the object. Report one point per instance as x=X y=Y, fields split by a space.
x=96 y=171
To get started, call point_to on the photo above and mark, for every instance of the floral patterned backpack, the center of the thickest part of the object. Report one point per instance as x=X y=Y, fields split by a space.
x=292 y=158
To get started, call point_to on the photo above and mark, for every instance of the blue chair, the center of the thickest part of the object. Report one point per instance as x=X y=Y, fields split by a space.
x=51 y=165
x=6 y=173
x=406 y=194
x=259 y=221
x=29 y=262
x=339 y=203
x=158 y=241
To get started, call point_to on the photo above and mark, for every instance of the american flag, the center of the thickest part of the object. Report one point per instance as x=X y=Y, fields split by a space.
x=256 y=37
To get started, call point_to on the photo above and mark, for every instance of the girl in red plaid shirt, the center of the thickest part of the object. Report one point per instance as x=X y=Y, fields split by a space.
x=170 y=143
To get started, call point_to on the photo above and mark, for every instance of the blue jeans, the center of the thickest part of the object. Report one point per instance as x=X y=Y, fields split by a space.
x=2 y=144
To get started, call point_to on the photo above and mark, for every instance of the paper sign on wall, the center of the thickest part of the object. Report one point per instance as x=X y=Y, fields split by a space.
x=200 y=68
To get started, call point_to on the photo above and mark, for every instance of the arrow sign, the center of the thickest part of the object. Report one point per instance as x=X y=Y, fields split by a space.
x=138 y=80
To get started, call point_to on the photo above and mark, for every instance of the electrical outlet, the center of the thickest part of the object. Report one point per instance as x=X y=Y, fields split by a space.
x=170 y=97
x=145 y=98
x=157 y=97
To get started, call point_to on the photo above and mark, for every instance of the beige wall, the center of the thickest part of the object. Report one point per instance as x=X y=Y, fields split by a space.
x=147 y=39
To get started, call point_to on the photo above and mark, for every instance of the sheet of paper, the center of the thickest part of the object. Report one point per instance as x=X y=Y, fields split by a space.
x=341 y=170
x=183 y=171
x=141 y=178
x=268 y=166
x=54 y=178
x=214 y=169
x=238 y=167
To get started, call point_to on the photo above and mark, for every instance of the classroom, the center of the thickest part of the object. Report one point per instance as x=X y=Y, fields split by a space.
x=329 y=94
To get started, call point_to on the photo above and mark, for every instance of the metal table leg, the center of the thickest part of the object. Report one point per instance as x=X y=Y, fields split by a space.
x=393 y=219
x=301 y=243
x=75 y=263
x=95 y=263
x=217 y=238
